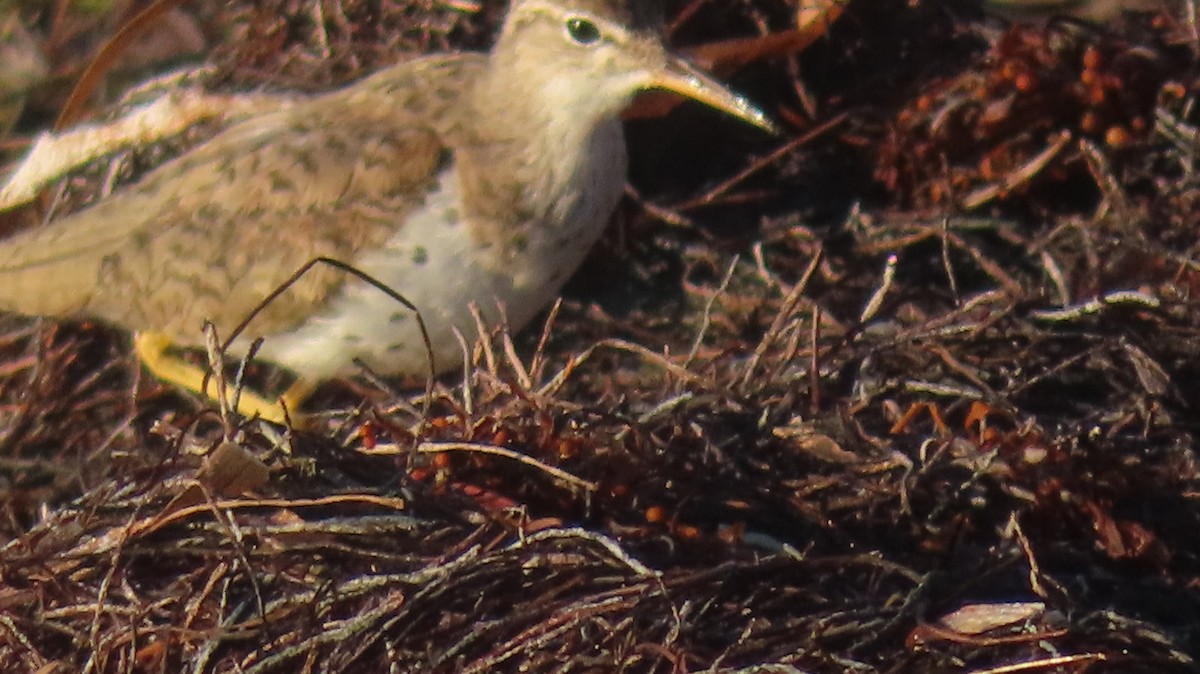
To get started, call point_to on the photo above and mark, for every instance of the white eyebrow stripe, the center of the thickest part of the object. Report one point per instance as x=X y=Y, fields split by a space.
x=609 y=29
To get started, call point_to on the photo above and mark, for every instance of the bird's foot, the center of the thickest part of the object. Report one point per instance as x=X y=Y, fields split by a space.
x=152 y=349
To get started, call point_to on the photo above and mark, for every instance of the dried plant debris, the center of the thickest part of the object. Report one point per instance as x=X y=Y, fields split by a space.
x=313 y=44
x=1007 y=122
x=910 y=389
x=22 y=66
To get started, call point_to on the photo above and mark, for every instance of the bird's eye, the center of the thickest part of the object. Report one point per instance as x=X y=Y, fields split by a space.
x=583 y=31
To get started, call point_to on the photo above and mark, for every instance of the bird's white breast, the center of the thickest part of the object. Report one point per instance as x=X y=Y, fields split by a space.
x=435 y=262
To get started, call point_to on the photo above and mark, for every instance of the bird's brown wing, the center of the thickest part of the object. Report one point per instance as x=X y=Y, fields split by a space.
x=208 y=235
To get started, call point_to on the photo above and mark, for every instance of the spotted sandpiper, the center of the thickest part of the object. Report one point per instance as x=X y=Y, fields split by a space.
x=453 y=179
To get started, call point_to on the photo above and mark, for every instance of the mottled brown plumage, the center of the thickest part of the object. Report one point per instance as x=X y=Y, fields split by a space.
x=455 y=179
x=207 y=235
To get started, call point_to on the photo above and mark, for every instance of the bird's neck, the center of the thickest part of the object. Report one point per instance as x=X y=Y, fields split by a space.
x=541 y=152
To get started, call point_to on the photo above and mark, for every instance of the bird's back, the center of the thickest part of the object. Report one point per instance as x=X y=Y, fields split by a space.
x=208 y=235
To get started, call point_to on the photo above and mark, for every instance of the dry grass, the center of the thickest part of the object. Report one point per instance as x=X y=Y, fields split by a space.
x=934 y=356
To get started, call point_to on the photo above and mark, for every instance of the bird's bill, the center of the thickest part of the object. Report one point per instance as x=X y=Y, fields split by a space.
x=685 y=79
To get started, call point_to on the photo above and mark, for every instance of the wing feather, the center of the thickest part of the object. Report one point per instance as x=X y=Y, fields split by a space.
x=208 y=234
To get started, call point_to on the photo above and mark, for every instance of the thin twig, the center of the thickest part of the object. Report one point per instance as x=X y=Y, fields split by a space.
x=781 y=318
x=439 y=447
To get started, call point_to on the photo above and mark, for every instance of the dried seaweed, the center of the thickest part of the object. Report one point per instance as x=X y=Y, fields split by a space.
x=808 y=408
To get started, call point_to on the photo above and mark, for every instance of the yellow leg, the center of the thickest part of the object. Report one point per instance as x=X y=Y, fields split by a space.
x=151 y=348
x=295 y=395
